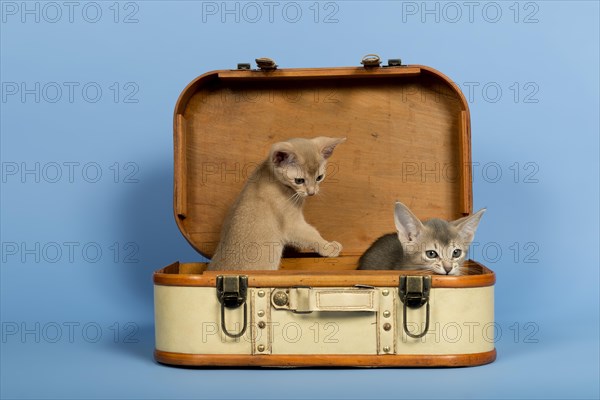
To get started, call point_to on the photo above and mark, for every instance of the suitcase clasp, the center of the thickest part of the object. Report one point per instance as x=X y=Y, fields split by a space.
x=232 y=291
x=371 y=60
x=414 y=293
x=266 y=64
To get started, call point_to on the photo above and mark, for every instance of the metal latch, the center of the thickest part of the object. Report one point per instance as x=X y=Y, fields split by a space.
x=232 y=291
x=414 y=293
x=265 y=63
x=394 y=62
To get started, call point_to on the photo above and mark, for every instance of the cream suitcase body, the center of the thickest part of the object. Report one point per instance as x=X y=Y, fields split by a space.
x=408 y=136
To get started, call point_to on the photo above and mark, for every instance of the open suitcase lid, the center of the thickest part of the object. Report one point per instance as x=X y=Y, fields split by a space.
x=408 y=139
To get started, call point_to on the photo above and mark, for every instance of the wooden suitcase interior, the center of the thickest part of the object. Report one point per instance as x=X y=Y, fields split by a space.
x=408 y=139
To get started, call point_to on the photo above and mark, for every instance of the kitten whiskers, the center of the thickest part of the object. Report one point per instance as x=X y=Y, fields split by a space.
x=292 y=201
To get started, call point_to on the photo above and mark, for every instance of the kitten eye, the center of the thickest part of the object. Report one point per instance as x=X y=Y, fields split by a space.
x=319 y=178
x=431 y=254
x=299 y=181
x=456 y=253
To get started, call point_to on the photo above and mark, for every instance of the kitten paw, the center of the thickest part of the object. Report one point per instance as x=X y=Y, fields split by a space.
x=331 y=249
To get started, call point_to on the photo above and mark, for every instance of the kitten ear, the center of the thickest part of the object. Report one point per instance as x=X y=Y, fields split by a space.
x=409 y=227
x=327 y=144
x=282 y=153
x=468 y=225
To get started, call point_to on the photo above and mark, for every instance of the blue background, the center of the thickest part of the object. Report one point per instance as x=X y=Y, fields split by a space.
x=78 y=250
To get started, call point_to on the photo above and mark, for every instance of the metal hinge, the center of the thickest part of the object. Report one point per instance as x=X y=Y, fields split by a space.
x=414 y=293
x=232 y=291
x=371 y=60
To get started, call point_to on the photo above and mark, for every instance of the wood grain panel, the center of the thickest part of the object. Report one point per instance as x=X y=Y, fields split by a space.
x=407 y=133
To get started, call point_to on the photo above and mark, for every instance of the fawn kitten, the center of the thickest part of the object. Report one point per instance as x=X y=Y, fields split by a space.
x=435 y=245
x=267 y=215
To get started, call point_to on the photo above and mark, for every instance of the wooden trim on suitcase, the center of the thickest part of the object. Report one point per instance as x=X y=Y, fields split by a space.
x=192 y=274
x=312 y=73
x=466 y=164
x=397 y=360
x=180 y=183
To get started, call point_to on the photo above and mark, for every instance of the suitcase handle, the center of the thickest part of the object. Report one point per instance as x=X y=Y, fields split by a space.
x=307 y=299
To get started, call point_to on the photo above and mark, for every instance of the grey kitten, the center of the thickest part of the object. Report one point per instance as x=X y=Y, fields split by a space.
x=435 y=245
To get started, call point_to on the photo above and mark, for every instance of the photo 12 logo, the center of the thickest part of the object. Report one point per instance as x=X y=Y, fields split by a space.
x=489 y=91
x=289 y=332
x=453 y=12
x=70 y=92
x=69 y=332
x=69 y=172
x=235 y=172
x=54 y=12
x=271 y=96
x=253 y=12
x=69 y=252
x=526 y=252
x=491 y=332
x=517 y=172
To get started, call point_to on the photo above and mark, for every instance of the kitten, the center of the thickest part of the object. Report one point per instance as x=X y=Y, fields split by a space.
x=267 y=215
x=435 y=245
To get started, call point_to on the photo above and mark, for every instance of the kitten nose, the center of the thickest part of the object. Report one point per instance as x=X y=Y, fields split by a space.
x=310 y=191
x=447 y=267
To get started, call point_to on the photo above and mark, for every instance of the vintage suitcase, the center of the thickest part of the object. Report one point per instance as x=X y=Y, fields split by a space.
x=408 y=139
